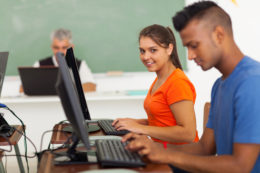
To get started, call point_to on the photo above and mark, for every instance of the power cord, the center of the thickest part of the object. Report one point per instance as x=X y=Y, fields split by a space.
x=64 y=145
x=30 y=142
x=25 y=142
x=63 y=122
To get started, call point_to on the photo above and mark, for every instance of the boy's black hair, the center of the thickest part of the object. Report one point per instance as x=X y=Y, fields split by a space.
x=197 y=9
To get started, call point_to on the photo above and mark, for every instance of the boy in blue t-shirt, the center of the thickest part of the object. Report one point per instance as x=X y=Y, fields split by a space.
x=231 y=141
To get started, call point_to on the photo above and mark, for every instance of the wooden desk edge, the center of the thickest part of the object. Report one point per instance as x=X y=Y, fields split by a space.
x=47 y=166
x=14 y=138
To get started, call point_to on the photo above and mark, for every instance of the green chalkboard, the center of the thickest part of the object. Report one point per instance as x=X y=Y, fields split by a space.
x=105 y=32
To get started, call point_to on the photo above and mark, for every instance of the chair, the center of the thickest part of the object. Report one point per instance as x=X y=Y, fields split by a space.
x=206 y=114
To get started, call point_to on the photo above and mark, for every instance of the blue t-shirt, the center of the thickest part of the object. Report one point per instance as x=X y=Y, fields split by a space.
x=235 y=108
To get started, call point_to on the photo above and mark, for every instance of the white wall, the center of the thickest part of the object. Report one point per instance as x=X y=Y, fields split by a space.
x=246 y=26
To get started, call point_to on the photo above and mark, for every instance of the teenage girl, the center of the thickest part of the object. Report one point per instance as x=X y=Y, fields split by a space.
x=169 y=103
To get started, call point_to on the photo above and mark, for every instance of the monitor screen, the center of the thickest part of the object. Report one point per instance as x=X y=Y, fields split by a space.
x=71 y=61
x=70 y=102
x=3 y=63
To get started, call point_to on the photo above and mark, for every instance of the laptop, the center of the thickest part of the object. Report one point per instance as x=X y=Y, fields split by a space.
x=3 y=63
x=38 y=80
x=5 y=129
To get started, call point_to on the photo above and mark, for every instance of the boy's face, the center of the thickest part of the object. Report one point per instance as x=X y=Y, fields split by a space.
x=201 y=44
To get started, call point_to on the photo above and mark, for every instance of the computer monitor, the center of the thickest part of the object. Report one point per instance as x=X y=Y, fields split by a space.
x=71 y=106
x=71 y=62
x=3 y=63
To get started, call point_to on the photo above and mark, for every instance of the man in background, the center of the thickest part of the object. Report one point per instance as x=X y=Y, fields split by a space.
x=61 y=41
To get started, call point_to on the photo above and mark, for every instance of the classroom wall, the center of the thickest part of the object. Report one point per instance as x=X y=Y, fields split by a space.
x=246 y=28
x=105 y=32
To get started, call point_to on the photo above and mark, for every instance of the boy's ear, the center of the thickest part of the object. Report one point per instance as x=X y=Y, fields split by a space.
x=219 y=34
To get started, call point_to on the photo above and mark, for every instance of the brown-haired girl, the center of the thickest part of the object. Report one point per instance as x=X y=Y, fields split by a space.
x=169 y=103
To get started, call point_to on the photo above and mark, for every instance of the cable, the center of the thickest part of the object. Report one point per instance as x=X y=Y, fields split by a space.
x=63 y=122
x=2 y=105
x=64 y=145
x=48 y=131
x=29 y=141
x=20 y=155
x=25 y=142
x=41 y=143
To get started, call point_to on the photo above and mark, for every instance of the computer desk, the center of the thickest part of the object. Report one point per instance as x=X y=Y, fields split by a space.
x=47 y=165
x=40 y=113
x=111 y=100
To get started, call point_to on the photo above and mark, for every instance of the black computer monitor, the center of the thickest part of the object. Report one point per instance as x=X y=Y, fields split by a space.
x=3 y=63
x=67 y=92
x=71 y=62
x=70 y=102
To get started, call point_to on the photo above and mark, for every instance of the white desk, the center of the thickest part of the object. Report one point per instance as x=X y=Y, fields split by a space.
x=41 y=113
x=110 y=101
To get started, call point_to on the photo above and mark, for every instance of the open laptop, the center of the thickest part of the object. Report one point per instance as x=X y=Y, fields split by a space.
x=3 y=63
x=5 y=129
x=110 y=152
x=38 y=80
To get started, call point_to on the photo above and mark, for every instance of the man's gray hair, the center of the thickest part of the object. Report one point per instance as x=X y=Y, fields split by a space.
x=62 y=34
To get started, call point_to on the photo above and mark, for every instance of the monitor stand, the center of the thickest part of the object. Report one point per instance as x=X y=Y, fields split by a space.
x=90 y=127
x=73 y=156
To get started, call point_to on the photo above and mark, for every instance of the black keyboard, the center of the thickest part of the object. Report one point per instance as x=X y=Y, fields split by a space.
x=106 y=125
x=112 y=153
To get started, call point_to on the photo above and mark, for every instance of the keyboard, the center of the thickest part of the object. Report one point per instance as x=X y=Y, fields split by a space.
x=112 y=153
x=108 y=129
